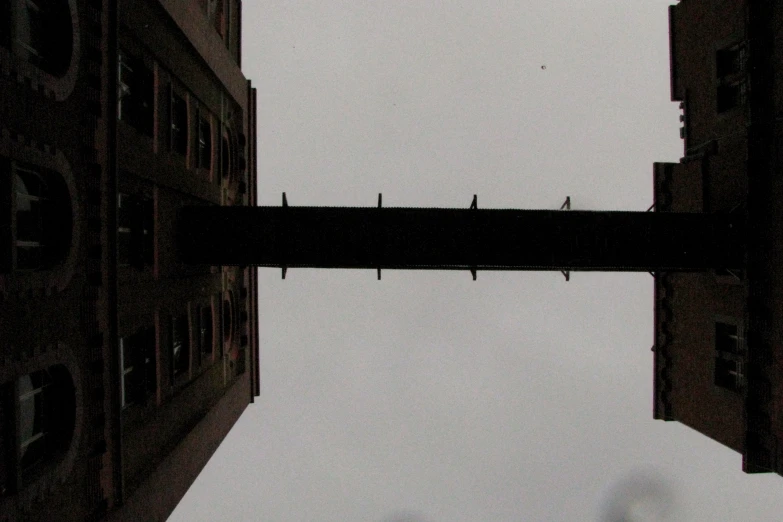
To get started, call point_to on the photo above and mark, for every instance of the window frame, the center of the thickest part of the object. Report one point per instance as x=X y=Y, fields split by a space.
x=729 y=361
x=135 y=93
x=205 y=330
x=180 y=372
x=40 y=38
x=43 y=431
x=205 y=145
x=136 y=220
x=48 y=424
x=41 y=200
x=179 y=131
x=139 y=376
x=49 y=210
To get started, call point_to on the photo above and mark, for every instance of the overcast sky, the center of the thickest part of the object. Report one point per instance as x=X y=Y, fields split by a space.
x=427 y=396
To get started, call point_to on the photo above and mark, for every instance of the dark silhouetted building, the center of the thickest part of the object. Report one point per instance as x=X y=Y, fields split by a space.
x=122 y=368
x=719 y=334
x=129 y=347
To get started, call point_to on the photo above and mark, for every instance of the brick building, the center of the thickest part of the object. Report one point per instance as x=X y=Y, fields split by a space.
x=121 y=367
x=718 y=334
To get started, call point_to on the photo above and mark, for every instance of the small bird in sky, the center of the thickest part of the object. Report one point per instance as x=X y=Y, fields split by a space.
x=543 y=67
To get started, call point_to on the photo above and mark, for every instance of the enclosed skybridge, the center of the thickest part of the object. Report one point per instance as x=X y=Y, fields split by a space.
x=459 y=239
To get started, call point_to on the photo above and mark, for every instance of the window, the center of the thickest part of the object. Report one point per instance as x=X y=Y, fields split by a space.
x=731 y=96
x=730 y=68
x=179 y=123
x=205 y=329
x=45 y=418
x=225 y=157
x=139 y=378
x=228 y=321
x=33 y=417
x=204 y=142
x=729 y=374
x=729 y=359
x=730 y=61
x=180 y=346
x=135 y=231
x=726 y=338
x=136 y=92
x=32 y=196
x=42 y=33
x=40 y=217
x=7 y=453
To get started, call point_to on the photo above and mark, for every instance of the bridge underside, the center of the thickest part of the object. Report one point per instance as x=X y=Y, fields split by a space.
x=459 y=239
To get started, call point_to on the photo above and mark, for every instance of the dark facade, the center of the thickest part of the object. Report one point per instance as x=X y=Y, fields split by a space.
x=718 y=334
x=121 y=366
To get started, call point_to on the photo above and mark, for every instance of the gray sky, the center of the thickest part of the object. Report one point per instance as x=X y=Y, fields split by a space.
x=427 y=396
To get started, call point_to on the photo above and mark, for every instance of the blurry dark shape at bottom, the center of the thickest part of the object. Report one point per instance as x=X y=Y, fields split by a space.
x=641 y=496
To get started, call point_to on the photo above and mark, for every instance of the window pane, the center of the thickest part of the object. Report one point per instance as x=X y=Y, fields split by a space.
x=148 y=339
x=179 y=124
x=30 y=31
x=225 y=160
x=123 y=247
x=726 y=338
x=135 y=92
x=144 y=99
x=29 y=224
x=29 y=257
x=125 y=202
x=727 y=373
x=205 y=143
x=148 y=224
x=32 y=421
x=29 y=182
x=31 y=416
x=206 y=329
x=34 y=452
x=180 y=345
x=135 y=231
x=728 y=97
x=124 y=91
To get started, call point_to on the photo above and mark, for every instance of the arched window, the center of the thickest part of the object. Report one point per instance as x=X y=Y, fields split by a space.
x=42 y=32
x=41 y=221
x=41 y=427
